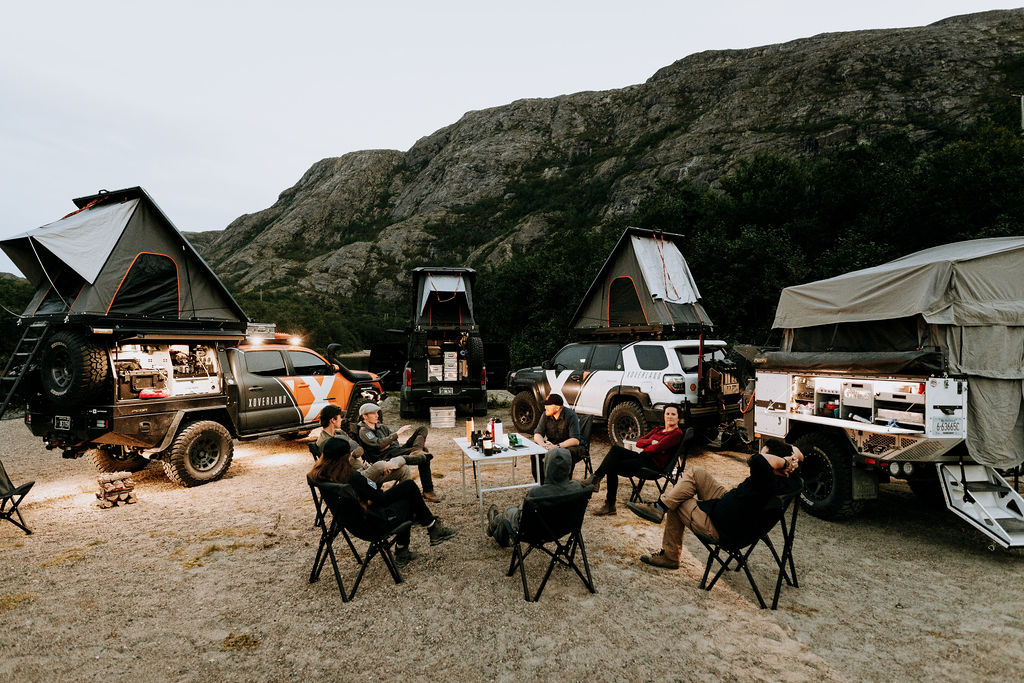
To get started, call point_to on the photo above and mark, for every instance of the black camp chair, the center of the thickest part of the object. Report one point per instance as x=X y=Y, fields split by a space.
x=667 y=475
x=10 y=498
x=558 y=521
x=773 y=513
x=347 y=517
x=586 y=427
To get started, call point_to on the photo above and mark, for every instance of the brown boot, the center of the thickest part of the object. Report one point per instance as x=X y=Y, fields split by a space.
x=594 y=481
x=432 y=497
x=604 y=510
x=659 y=559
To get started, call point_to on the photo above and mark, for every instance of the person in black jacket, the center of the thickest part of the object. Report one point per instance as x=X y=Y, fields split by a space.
x=384 y=510
x=700 y=502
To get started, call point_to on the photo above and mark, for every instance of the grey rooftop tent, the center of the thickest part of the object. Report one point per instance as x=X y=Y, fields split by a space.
x=962 y=302
x=443 y=296
x=644 y=287
x=120 y=257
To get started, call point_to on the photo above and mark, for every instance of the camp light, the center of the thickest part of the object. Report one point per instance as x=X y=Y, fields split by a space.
x=295 y=340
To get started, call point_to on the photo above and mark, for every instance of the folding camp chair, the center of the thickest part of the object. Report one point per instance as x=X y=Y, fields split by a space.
x=586 y=426
x=10 y=498
x=773 y=513
x=347 y=517
x=669 y=474
x=550 y=520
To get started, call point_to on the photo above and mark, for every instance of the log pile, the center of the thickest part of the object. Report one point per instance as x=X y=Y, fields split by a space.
x=116 y=488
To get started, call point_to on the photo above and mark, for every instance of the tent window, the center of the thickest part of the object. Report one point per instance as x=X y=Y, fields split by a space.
x=306 y=363
x=624 y=303
x=265 y=363
x=58 y=299
x=650 y=357
x=149 y=288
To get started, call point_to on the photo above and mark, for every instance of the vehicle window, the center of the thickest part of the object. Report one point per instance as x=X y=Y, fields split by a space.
x=265 y=363
x=606 y=358
x=688 y=358
x=650 y=357
x=306 y=363
x=574 y=357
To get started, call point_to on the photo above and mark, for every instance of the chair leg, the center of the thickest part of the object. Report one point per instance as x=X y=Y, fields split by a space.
x=373 y=549
x=389 y=560
x=9 y=516
x=588 y=581
x=519 y=558
x=753 y=584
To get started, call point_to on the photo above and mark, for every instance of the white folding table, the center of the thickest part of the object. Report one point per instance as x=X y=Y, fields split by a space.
x=527 y=447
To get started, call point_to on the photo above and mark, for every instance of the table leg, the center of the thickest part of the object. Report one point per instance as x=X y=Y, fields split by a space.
x=479 y=493
x=463 y=468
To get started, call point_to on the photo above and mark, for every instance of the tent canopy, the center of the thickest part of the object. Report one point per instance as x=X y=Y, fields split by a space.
x=976 y=282
x=119 y=256
x=645 y=283
x=443 y=296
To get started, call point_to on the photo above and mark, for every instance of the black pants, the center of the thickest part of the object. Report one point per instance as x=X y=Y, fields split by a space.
x=400 y=503
x=620 y=462
x=575 y=451
x=416 y=442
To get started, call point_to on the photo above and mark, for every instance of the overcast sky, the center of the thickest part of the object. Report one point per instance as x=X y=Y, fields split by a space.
x=216 y=107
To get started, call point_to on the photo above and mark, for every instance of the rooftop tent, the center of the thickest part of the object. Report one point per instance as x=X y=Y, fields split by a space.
x=964 y=301
x=119 y=256
x=444 y=296
x=644 y=284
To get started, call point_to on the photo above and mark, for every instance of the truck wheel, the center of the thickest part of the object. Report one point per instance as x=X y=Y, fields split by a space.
x=115 y=461
x=72 y=368
x=828 y=477
x=475 y=356
x=200 y=453
x=525 y=413
x=406 y=410
x=626 y=421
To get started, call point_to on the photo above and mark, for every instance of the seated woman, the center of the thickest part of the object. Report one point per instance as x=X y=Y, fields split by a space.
x=401 y=502
x=656 y=447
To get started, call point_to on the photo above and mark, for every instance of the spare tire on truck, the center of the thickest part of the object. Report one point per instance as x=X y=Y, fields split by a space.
x=72 y=368
x=200 y=453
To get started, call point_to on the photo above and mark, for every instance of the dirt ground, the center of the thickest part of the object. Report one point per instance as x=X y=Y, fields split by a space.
x=211 y=583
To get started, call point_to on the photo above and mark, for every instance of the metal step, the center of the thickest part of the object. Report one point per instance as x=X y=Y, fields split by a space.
x=980 y=495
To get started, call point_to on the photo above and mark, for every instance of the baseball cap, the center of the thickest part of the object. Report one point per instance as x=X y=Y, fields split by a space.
x=554 y=400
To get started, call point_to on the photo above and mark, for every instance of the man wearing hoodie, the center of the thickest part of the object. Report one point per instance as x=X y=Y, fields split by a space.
x=502 y=526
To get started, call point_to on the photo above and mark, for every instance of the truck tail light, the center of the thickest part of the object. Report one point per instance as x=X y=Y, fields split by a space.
x=483 y=377
x=675 y=383
x=408 y=377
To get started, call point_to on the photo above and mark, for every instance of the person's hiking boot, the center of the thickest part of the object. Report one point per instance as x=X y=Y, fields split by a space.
x=439 y=533
x=432 y=497
x=594 y=481
x=404 y=556
x=647 y=511
x=492 y=519
x=605 y=510
x=659 y=559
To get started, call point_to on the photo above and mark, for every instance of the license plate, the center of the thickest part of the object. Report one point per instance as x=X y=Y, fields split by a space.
x=62 y=422
x=444 y=391
x=949 y=425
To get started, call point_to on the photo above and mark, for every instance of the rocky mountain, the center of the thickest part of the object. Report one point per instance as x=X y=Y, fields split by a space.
x=486 y=187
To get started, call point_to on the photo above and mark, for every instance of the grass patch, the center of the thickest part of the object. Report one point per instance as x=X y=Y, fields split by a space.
x=11 y=602
x=66 y=557
x=237 y=642
x=197 y=561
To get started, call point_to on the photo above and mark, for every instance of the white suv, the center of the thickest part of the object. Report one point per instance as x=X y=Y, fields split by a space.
x=629 y=383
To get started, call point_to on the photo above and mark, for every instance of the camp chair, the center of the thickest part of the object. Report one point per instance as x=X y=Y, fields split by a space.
x=12 y=495
x=586 y=426
x=773 y=513
x=347 y=517
x=669 y=474
x=550 y=520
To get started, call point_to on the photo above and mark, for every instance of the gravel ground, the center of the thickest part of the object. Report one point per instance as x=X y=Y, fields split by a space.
x=210 y=583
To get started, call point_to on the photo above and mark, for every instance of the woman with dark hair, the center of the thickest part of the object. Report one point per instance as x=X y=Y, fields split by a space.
x=384 y=510
x=656 y=447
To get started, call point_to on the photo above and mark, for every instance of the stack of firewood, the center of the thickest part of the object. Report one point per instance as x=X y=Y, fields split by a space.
x=116 y=488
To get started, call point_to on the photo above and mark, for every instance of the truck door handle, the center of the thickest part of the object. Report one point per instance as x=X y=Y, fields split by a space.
x=255 y=388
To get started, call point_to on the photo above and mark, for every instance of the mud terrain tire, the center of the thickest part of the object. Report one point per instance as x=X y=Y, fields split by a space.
x=525 y=412
x=201 y=453
x=106 y=461
x=626 y=421
x=828 y=477
x=72 y=368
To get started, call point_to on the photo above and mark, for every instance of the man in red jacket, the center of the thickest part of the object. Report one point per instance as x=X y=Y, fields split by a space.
x=656 y=447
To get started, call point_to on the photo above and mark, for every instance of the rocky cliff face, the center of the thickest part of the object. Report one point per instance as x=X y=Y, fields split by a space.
x=474 y=190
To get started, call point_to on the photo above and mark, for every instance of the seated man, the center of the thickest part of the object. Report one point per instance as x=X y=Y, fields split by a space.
x=559 y=427
x=379 y=443
x=379 y=472
x=699 y=502
x=502 y=526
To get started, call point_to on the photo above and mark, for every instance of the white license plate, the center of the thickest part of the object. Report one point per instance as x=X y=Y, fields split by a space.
x=62 y=422
x=444 y=391
x=948 y=425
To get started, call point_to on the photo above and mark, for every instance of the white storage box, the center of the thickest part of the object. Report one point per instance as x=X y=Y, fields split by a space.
x=442 y=418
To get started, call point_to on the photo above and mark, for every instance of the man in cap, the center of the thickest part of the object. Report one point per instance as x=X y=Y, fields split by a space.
x=559 y=427
x=379 y=443
x=393 y=469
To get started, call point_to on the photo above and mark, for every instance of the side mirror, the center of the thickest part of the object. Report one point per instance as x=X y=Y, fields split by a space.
x=547 y=365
